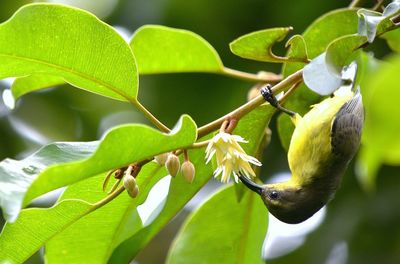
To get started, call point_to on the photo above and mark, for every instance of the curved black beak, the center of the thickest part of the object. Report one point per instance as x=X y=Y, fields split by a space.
x=251 y=185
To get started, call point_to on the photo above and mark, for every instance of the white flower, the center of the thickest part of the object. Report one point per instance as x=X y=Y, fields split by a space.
x=231 y=158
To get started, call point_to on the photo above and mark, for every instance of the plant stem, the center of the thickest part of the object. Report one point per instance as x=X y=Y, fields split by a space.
x=378 y=4
x=200 y=144
x=355 y=3
x=262 y=77
x=249 y=106
x=108 y=198
x=150 y=116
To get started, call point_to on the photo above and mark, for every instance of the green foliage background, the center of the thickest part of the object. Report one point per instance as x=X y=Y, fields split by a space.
x=367 y=222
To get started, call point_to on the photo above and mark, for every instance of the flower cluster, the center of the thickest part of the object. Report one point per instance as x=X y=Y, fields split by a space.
x=230 y=156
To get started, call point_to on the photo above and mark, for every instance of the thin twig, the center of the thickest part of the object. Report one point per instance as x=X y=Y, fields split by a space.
x=355 y=3
x=378 y=5
x=267 y=77
x=249 y=106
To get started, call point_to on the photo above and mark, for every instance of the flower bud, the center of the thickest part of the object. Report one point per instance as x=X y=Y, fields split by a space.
x=172 y=164
x=188 y=171
x=131 y=186
x=267 y=136
x=161 y=158
x=253 y=92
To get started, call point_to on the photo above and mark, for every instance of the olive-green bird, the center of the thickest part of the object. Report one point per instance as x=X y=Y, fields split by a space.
x=322 y=145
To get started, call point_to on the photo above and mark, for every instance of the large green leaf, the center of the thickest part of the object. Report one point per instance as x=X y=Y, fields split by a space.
x=74 y=235
x=223 y=230
x=70 y=43
x=393 y=39
x=317 y=37
x=258 y=45
x=323 y=74
x=20 y=240
x=160 y=49
x=27 y=179
x=251 y=127
x=31 y=83
x=340 y=50
x=92 y=241
x=381 y=143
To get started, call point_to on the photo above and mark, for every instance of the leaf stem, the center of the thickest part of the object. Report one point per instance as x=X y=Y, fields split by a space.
x=108 y=198
x=249 y=106
x=378 y=4
x=355 y=3
x=150 y=116
x=261 y=77
x=199 y=144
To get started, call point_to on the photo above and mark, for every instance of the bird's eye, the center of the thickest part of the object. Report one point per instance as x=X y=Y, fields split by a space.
x=274 y=195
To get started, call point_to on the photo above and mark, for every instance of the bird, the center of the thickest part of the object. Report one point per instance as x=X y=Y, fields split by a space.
x=322 y=145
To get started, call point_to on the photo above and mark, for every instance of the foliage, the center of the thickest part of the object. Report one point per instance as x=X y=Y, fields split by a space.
x=46 y=45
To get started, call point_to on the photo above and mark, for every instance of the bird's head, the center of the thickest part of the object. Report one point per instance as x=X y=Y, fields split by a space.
x=289 y=203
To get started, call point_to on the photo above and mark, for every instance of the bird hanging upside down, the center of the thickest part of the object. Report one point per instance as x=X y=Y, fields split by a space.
x=322 y=145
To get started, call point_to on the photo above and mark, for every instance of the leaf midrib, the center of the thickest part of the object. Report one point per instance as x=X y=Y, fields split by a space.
x=69 y=70
x=245 y=234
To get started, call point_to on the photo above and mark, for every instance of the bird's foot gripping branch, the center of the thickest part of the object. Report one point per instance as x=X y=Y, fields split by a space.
x=98 y=226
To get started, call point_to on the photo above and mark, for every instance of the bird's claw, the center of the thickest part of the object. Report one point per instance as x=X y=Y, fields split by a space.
x=269 y=96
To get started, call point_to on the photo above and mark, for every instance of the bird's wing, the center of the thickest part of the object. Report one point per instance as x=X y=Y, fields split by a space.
x=347 y=126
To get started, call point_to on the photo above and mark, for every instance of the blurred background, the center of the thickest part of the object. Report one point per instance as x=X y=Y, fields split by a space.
x=357 y=227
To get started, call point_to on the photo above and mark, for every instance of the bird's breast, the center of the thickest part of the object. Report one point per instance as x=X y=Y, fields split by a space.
x=310 y=151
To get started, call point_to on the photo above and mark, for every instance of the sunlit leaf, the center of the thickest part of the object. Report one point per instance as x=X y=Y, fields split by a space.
x=323 y=74
x=298 y=48
x=258 y=45
x=70 y=43
x=31 y=83
x=180 y=192
x=223 y=230
x=319 y=78
x=90 y=240
x=78 y=236
x=393 y=39
x=340 y=50
x=21 y=239
x=160 y=49
x=380 y=142
x=61 y=164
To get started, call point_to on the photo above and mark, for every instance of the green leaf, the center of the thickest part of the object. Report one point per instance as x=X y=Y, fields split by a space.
x=380 y=141
x=323 y=74
x=17 y=176
x=319 y=78
x=223 y=231
x=258 y=45
x=160 y=49
x=31 y=83
x=368 y=22
x=317 y=37
x=285 y=129
x=180 y=193
x=340 y=50
x=372 y=24
x=70 y=43
x=251 y=127
x=393 y=39
x=21 y=239
x=74 y=235
x=92 y=241
x=73 y=162
x=298 y=48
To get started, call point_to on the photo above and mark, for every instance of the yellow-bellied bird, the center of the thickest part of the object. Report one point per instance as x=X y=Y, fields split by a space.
x=322 y=145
